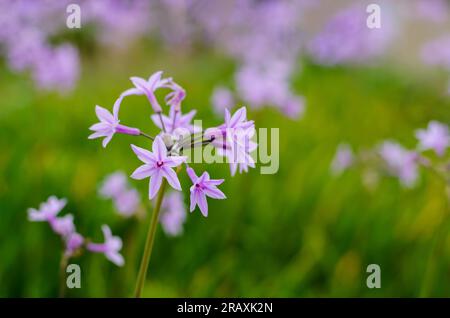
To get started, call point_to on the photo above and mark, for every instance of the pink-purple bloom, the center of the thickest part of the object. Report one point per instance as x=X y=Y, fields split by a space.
x=74 y=242
x=176 y=121
x=233 y=140
x=148 y=88
x=400 y=162
x=110 y=248
x=343 y=159
x=116 y=187
x=222 y=99
x=173 y=214
x=202 y=187
x=108 y=126
x=347 y=39
x=435 y=137
x=127 y=202
x=47 y=210
x=157 y=165
x=113 y=185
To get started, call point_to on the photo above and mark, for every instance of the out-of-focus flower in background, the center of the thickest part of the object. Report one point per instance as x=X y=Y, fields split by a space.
x=173 y=214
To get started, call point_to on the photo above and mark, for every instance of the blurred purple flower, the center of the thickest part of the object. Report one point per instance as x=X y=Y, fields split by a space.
x=108 y=126
x=173 y=214
x=400 y=162
x=74 y=241
x=57 y=68
x=113 y=185
x=127 y=202
x=47 y=210
x=222 y=99
x=110 y=248
x=435 y=137
x=347 y=39
x=343 y=159
x=63 y=225
x=437 y=52
x=203 y=186
x=433 y=10
x=157 y=165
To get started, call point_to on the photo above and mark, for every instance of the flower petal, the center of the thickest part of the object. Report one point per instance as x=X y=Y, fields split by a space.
x=143 y=154
x=192 y=175
x=143 y=172
x=239 y=116
x=202 y=204
x=174 y=161
x=155 y=183
x=172 y=178
x=159 y=148
x=104 y=115
x=214 y=193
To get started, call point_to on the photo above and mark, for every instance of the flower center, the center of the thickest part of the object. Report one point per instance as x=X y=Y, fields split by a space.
x=159 y=164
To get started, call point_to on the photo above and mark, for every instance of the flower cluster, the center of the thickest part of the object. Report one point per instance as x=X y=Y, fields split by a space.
x=74 y=242
x=176 y=135
x=125 y=198
x=398 y=161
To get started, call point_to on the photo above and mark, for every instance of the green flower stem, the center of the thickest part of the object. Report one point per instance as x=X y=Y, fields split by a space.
x=149 y=242
x=62 y=275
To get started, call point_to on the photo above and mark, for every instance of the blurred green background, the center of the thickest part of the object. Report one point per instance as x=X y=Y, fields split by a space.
x=298 y=233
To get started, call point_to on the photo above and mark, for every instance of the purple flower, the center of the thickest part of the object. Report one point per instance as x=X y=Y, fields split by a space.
x=400 y=162
x=437 y=52
x=111 y=247
x=222 y=99
x=233 y=140
x=433 y=10
x=176 y=120
x=109 y=125
x=113 y=185
x=63 y=225
x=127 y=202
x=173 y=214
x=342 y=159
x=148 y=88
x=435 y=137
x=347 y=39
x=74 y=241
x=174 y=98
x=157 y=165
x=47 y=210
x=203 y=186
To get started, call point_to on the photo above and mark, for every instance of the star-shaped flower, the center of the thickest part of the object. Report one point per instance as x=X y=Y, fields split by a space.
x=147 y=88
x=233 y=140
x=109 y=125
x=157 y=165
x=203 y=186
x=111 y=247
x=176 y=120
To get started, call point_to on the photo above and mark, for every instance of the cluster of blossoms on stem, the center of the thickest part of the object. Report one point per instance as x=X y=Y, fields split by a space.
x=176 y=135
x=398 y=161
x=74 y=242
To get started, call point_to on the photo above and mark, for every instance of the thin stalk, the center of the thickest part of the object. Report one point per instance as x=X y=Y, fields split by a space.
x=147 y=136
x=162 y=122
x=149 y=242
x=62 y=275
